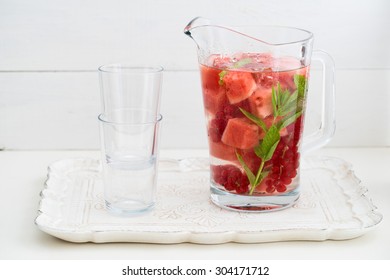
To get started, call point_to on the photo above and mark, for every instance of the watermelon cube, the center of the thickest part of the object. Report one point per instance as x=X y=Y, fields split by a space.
x=260 y=102
x=239 y=86
x=210 y=78
x=222 y=151
x=214 y=96
x=214 y=100
x=241 y=133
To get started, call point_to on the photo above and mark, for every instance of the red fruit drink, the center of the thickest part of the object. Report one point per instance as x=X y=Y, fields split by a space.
x=254 y=106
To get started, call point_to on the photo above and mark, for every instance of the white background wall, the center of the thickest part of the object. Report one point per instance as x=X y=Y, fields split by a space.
x=50 y=50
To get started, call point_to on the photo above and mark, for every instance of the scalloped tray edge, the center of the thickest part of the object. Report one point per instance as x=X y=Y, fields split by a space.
x=369 y=218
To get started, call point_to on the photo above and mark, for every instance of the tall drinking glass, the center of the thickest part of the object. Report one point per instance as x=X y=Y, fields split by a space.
x=130 y=125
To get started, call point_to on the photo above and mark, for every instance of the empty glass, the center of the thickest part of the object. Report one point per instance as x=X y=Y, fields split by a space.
x=130 y=125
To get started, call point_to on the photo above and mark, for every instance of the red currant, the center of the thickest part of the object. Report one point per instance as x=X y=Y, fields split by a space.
x=281 y=188
x=269 y=183
x=231 y=178
x=220 y=115
x=230 y=111
x=216 y=129
x=286 y=180
x=270 y=189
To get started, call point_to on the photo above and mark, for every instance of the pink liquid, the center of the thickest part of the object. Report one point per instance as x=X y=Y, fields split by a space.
x=254 y=83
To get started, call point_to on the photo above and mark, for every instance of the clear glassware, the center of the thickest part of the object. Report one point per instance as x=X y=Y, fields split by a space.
x=255 y=86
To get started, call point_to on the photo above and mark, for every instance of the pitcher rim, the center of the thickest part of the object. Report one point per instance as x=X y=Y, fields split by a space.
x=310 y=35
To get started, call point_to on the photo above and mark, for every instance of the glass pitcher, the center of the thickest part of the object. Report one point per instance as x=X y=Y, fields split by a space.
x=255 y=86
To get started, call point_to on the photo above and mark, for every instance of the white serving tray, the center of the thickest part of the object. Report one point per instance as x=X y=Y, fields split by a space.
x=333 y=205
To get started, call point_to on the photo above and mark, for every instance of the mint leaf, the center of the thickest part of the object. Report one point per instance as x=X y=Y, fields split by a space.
x=269 y=143
x=284 y=103
x=258 y=151
x=249 y=174
x=254 y=119
x=221 y=75
x=275 y=102
x=292 y=98
x=242 y=62
x=280 y=100
x=300 y=83
x=288 y=109
x=289 y=120
x=284 y=96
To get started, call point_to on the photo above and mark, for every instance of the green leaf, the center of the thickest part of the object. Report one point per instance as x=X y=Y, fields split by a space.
x=283 y=102
x=254 y=119
x=258 y=151
x=275 y=102
x=300 y=83
x=269 y=143
x=221 y=75
x=251 y=176
x=271 y=151
x=292 y=97
x=284 y=97
x=286 y=122
x=242 y=62
x=288 y=109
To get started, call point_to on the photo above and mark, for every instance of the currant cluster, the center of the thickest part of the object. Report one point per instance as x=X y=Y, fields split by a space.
x=285 y=160
x=218 y=123
x=231 y=177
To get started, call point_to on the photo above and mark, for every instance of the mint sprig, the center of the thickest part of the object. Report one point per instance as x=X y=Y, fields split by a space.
x=287 y=108
x=283 y=102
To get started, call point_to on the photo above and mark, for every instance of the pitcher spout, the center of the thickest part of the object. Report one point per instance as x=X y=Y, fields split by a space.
x=196 y=29
x=196 y=22
x=214 y=39
x=211 y=38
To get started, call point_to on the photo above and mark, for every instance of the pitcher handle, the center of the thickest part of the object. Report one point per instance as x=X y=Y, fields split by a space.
x=328 y=119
